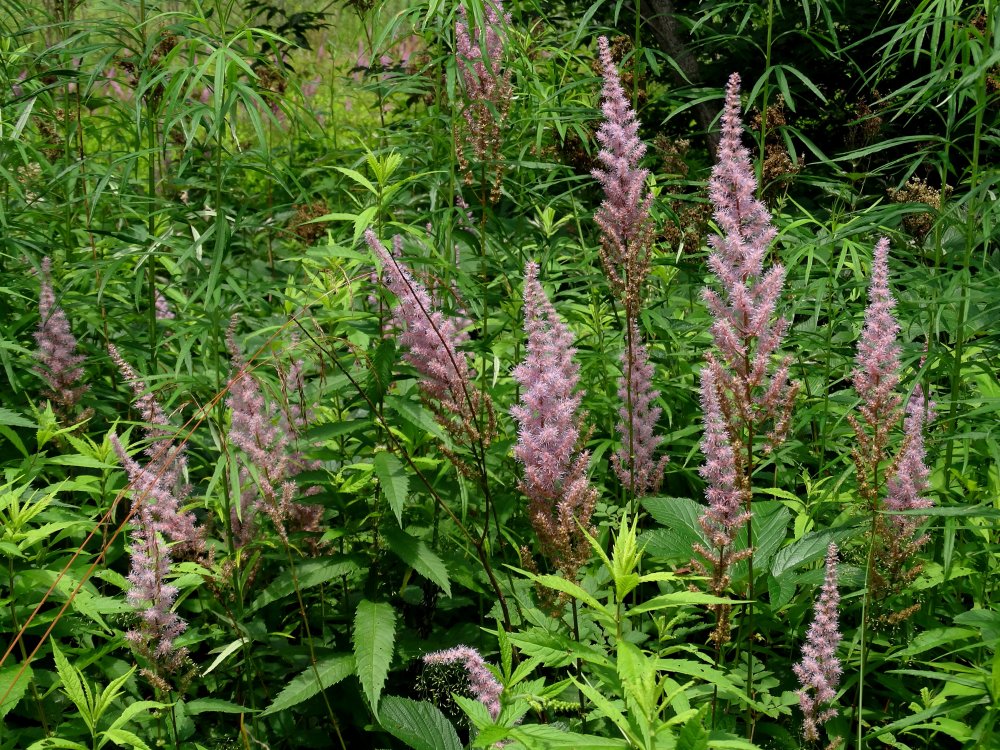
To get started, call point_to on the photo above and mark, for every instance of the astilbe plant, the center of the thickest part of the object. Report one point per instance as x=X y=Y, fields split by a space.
x=482 y=683
x=162 y=530
x=751 y=401
x=819 y=670
x=59 y=362
x=902 y=478
x=626 y=239
x=560 y=497
x=263 y=433
x=479 y=54
x=432 y=342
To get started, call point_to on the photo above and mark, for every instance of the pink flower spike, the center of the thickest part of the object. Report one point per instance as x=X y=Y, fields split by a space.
x=819 y=671
x=58 y=359
x=482 y=683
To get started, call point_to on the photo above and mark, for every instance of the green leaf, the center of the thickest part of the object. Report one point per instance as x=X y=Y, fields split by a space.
x=680 y=598
x=374 y=640
x=123 y=738
x=219 y=706
x=310 y=573
x=55 y=742
x=306 y=684
x=679 y=517
x=73 y=685
x=13 y=691
x=809 y=548
x=545 y=736
x=568 y=587
x=14 y=419
x=415 y=553
x=395 y=483
x=134 y=709
x=419 y=724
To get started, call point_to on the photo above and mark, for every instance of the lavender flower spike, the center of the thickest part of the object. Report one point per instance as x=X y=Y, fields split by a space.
x=58 y=360
x=633 y=462
x=876 y=373
x=482 y=683
x=819 y=671
x=555 y=474
x=909 y=480
x=432 y=340
x=623 y=217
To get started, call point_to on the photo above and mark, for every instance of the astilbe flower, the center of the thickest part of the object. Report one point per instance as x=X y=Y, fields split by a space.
x=876 y=377
x=264 y=444
x=560 y=498
x=903 y=481
x=158 y=491
x=624 y=215
x=483 y=685
x=58 y=359
x=432 y=342
x=819 y=671
x=634 y=461
x=725 y=493
x=488 y=91
x=909 y=479
x=163 y=311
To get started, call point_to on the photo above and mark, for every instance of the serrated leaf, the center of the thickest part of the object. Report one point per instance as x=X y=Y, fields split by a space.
x=415 y=553
x=374 y=638
x=134 y=709
x=225 y=652
x=809 y=548
x=14 y=419
x=55 y=742
x=558 y=583
x=679 y=518
x=72 y=684
x=545 y=736
x=124 y=738
x=419 y=724
x=13 y=692
x=395 y=482
x=306 y=684
x=678 y=599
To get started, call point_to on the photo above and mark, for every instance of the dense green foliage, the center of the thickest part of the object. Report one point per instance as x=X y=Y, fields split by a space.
x=223 y=160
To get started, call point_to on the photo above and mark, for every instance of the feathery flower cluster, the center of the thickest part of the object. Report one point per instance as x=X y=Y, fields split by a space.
x=633 y=462
x=743 y=331
x=623 y=217
x=909 y=480
x=163 y=311
x=58 y=360
x=158 y=490
x=876 y=375
x=739 y=395
x=484 y=686
x=819 y=671
x=252 y=429
x=555 y=474
x=488 y=90
x=432 y=340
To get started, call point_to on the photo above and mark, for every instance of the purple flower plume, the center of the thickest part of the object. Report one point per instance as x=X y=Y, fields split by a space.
x=634 y=462
x=623 y=217
x=744 y=332
x=163 y=311
x=58 y=359
x=560 y=497
x=819 y=671
x=432 y=342
x=484 y=686
x=158 y=491
x=488 y=91
x=909 y=479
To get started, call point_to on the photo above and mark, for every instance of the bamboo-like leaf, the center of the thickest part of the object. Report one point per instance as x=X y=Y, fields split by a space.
x=374 y=640
x=419 y=724
x=306 y=684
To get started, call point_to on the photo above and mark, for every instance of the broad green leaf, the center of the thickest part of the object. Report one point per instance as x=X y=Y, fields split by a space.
x=11 y=691
x=395 y=482
x=770 y=521
x=55 y=742
x=560 y=584
x=134 y=709
x=306 y=684
x=374 y=640
x=679 y=518
x=419 y=724
x=415 y=553
x=808 y=549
